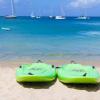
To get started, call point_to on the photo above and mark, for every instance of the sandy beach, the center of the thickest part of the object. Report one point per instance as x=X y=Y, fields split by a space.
x=11 y=90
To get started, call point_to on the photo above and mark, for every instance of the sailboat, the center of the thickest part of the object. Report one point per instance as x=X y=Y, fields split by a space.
x=38 y=17
x=84 y=15
x=60 y=17
x=12 y=11
x=50 y=16
x=63 y=13
x=32 y=15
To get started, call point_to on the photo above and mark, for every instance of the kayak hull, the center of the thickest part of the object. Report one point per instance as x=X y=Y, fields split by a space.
x=78 y=74
x=38 y=72
x=80 y=80
x=34 y=79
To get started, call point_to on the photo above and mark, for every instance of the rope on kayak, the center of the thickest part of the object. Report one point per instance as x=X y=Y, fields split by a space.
x=39 y=61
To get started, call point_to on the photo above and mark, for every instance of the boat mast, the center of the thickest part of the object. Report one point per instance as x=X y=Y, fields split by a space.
x=12 y=8
x=62 y=10
x=85 y=9
x=85 y=12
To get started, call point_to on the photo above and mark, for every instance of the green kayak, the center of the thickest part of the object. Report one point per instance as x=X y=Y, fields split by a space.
x=77 y=73
x=36 y=72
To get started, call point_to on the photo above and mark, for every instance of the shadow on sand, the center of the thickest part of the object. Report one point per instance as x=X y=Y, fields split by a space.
x=38 y=85
x=87 y=87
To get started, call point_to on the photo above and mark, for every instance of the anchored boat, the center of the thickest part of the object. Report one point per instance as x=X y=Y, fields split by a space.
x=12 y=11
x=60 y=17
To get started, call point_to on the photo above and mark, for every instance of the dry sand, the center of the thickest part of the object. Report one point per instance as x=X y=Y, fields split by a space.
x=11 y=90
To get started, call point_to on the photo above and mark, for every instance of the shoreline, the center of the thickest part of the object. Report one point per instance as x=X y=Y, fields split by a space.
x=55 y=62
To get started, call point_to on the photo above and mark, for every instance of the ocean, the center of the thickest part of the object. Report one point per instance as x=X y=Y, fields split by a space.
x=50 y=39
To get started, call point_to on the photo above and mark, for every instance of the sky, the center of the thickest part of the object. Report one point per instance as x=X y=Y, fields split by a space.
x=51 y=7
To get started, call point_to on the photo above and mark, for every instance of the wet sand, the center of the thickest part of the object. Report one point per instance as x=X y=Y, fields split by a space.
x=11 y=90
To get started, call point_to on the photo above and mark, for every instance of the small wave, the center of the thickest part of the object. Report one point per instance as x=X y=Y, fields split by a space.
x=5 y=28
x=91 y=23
x=91 y=33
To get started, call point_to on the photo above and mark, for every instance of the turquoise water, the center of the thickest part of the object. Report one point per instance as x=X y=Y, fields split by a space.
x=49 y=38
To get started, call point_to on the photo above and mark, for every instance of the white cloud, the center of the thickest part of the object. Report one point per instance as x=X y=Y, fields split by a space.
x=84 y=3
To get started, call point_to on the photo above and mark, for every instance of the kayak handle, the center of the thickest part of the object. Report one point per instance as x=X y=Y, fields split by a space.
x=30 y=74
x=39 y=61
x=53 y=66
x=72 y=62
x=57 y=67
x=84 y=74
x=20 y=66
